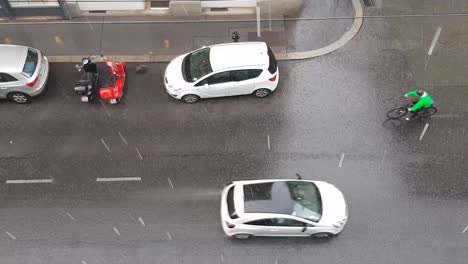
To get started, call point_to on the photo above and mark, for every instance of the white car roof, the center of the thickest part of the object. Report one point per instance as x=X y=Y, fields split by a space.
x=241 y=54
x=13 y=58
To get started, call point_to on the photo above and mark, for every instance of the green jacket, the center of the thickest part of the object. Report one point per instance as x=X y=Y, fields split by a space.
x=425 y=101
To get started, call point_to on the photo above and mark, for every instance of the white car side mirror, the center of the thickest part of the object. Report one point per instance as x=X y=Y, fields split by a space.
x=205 y=85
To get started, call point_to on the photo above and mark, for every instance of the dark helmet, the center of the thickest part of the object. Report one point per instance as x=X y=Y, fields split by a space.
x=420 y=92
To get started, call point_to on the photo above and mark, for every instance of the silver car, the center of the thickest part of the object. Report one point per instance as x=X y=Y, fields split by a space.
x=23 y=73
x=282 y=208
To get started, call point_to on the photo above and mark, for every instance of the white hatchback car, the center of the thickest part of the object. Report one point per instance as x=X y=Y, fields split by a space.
x=282 y=208
x=223 y=70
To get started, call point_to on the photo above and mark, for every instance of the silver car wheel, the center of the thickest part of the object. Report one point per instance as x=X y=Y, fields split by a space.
x=19 y=98
x=260 y=93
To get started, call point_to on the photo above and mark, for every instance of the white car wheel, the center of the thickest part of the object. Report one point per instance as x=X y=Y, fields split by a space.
x=261 y=93
x=242 y=236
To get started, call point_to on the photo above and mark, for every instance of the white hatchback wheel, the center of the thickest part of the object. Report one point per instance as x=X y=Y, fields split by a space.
x=242 y=236
x=263 y=92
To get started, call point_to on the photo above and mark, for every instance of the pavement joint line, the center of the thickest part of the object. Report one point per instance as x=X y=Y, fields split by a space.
x=340 y=164
x=123 y=139
x=141 y=221
x=70 y=216
x=423 y=132
x=464 y=230
x=105 y=145
x=139 y=154
x=343 y=40
x=116 y=231
x=118 y=179
x=103 y=105
x=268 y=141
x=29 y=181
x=170 y=182
x=434 y=41
x=10 y=235
x=169 y=235
x=383 y=157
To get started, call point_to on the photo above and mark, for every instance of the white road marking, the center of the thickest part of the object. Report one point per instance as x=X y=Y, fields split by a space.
x=170 y=182
x=123 y=139
x=141 y=221
x=10 y=235
x=105 y=108
x=276 y=261
x=464 y=230
x=139 y=154
x=434 y=41
x=29 y=181
x=118 y=179
x=423 y=132
x=70 y=216
x=11 y=141
x=116 y=231
x=268 y=141
x=222 y=258
x=105 y=145
x=83 y=262
x=384 y=154
x=169 y=235
x=341 y=160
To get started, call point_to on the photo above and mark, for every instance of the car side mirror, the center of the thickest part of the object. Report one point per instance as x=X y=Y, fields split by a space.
x=205 y=85
x=304 y=228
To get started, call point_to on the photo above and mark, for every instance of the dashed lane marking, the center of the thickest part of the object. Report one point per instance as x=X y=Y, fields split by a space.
x=105 y=145
x=70 y=216
x=423 y=132
x=118 y=179
x=170 y=182
x=122 y=137
x=116 y=231
x=340 y=164
x=10 y=235
x=169 y=235
x=141 y=221
x=464 y=230
x=30 y=181
x=268 y=141
x=139 y=154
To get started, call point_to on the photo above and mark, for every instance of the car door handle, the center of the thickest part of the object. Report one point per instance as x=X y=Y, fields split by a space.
x=3 y=88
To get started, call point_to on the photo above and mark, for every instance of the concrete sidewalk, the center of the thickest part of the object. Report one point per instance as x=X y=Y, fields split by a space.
x=157 y=39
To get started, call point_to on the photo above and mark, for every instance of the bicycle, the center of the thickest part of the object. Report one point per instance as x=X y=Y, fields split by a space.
x=400 y=112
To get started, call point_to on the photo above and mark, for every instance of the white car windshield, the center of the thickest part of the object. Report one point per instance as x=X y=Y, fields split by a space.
x=196 y=65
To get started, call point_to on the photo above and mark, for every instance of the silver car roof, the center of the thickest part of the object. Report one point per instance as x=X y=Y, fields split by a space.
x=12 y=58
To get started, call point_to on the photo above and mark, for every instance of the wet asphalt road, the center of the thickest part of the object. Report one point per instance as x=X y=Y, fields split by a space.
x=407 y=197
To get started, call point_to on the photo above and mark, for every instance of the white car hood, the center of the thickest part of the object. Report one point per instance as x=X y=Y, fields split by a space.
x=174 y=76
x=333 y=204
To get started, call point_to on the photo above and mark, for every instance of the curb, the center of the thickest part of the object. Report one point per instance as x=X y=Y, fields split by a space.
x=344 y=39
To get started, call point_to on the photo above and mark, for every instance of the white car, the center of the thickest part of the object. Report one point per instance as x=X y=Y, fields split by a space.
x=223 y=70
x=282 y=207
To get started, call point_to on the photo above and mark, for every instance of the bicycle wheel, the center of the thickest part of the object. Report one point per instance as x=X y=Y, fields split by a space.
x=427 y=112
x=397 y=112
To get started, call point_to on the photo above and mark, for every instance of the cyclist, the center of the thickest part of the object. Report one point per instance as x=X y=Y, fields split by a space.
x=424 y=101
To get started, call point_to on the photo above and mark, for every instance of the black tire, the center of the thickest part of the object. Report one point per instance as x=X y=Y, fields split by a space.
x=397 y=113
x=190 y=98
x=261 y=93
x=19 y=98
x=427 y=112
x=242 y=236
x=322 y=235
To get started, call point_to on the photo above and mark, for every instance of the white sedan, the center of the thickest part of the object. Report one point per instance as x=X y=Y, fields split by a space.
x=298 y=208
